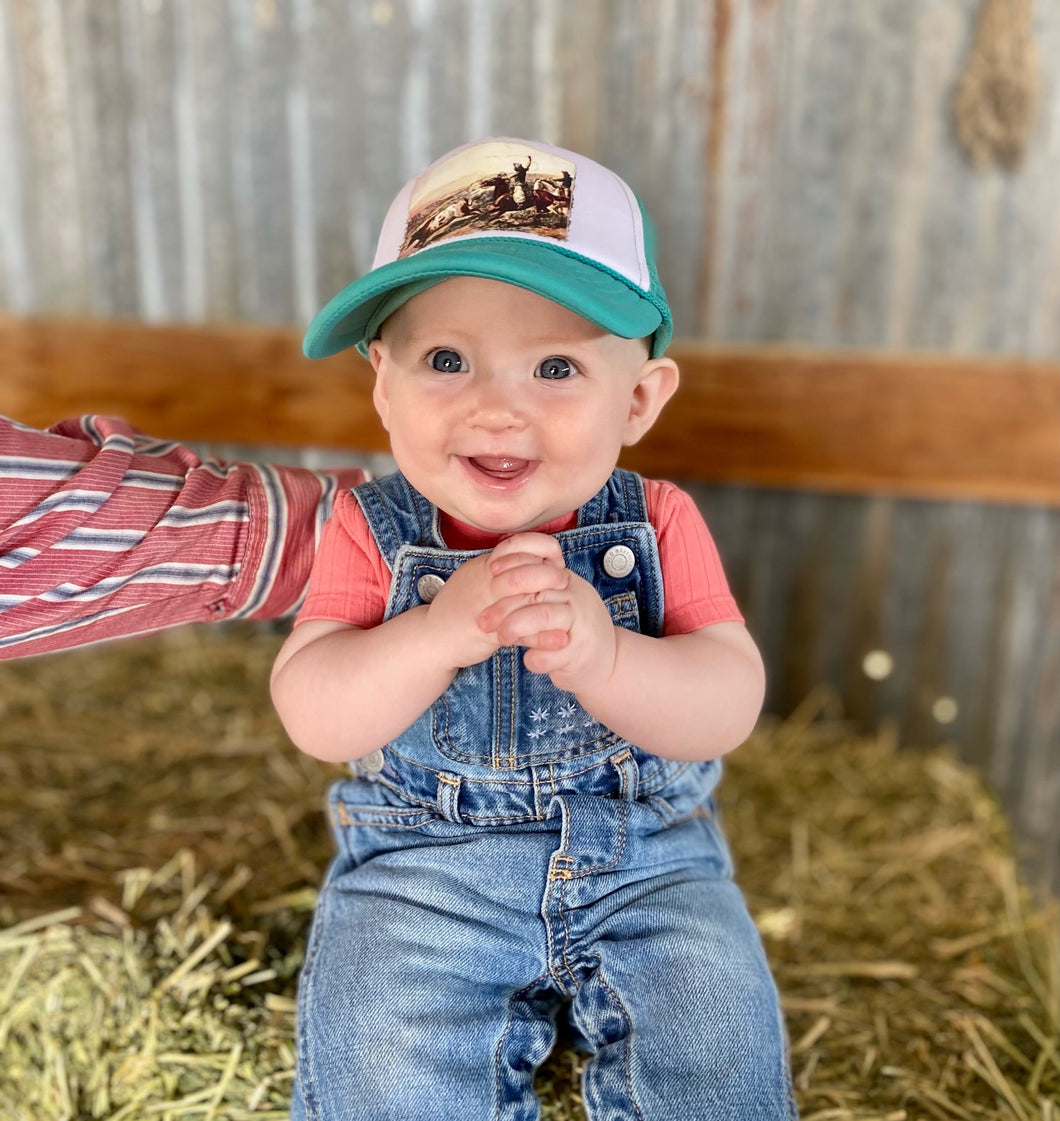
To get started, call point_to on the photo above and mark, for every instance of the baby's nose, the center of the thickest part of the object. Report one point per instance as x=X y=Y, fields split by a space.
x=497 y=405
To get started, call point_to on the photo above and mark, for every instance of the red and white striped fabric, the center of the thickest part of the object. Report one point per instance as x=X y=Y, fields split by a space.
x=106 y=532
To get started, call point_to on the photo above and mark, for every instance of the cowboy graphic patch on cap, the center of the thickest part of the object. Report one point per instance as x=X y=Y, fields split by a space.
x=500 y=187
x=521 y=212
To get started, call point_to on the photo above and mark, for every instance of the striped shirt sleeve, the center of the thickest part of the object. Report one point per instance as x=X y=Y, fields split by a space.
x=105 y=532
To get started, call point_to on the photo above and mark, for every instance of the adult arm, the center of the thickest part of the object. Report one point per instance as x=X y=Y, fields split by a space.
x=105 y=532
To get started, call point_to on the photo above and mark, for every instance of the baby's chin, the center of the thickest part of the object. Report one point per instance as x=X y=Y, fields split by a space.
x=498 y=527
x=500 y=523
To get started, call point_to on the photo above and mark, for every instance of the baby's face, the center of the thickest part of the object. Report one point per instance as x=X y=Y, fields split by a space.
x=503 y=408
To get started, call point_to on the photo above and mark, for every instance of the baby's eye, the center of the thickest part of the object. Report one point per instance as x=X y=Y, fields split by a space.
x=446 y=361
x=555 y=368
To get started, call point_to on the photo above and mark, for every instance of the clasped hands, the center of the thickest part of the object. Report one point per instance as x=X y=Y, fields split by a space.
x=522 y=594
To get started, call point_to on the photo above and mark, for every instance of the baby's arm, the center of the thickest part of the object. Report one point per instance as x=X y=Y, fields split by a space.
x=342 y=692
x=687 y=696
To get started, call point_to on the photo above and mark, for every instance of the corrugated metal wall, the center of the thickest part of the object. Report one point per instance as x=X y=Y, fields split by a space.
x=232 y=159
x=189 y=159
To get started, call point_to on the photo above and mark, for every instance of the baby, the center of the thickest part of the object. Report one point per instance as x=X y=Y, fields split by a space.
x=532 y=662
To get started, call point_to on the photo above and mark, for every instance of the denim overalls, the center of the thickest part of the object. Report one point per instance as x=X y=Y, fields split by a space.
x=508 y=856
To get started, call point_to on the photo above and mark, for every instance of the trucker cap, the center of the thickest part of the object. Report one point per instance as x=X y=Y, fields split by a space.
x=522 y=212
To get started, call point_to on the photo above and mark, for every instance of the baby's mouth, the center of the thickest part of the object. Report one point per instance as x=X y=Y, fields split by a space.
x=499 y=466
x=502 y=467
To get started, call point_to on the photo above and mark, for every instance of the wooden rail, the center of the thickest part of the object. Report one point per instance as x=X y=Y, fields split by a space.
x=918 y=425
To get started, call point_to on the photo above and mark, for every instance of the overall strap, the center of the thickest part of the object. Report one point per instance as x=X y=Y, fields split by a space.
x=397 y=514
x=621 y=499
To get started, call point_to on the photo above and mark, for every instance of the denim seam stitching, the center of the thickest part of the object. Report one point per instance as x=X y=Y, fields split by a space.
x=620 y=850
x=626 y=1056
x=513 y=683
x=562 y=910
x=529 y=783
x=306 y=1084
x=550 y=937
x=500 y=1042
x=604 y=739
x=423 y=806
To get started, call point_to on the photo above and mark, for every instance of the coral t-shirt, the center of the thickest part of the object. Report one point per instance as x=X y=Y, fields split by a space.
x=350 y=581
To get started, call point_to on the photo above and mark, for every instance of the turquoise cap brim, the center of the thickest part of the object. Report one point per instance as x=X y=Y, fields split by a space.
x=596 y=293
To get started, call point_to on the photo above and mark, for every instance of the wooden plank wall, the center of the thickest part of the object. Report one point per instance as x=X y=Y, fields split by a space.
x=926 y=425
x=195 y=161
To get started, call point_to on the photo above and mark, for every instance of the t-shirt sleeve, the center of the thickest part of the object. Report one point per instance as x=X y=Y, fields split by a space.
x=350 y=581
x=696 y=593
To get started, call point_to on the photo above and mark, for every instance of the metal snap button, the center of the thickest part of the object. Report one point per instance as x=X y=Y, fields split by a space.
x=429 y=586
x=619 y=560
x=372 y=762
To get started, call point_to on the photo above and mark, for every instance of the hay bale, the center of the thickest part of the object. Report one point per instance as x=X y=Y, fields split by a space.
x=107 y=1020
x=163 y=842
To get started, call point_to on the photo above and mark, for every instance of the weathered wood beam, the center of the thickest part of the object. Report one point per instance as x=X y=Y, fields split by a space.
x=912 y=424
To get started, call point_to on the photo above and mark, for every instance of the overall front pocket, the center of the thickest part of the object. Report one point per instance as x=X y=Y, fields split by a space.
x=500 y=715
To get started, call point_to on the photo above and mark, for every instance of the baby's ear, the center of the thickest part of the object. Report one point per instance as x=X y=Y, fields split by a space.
x=656 y=384
x=377 y=355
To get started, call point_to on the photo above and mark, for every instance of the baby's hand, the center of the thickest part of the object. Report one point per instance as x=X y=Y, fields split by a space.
x=559 y=617
x=454 y=612
x=526 y=569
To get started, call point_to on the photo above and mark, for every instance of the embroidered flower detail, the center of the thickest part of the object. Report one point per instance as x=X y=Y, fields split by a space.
x=539 y=715
x=536 y=733
x=568 y=711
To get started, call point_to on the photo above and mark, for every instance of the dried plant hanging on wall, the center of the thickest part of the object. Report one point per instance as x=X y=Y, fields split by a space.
x=997 y=93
